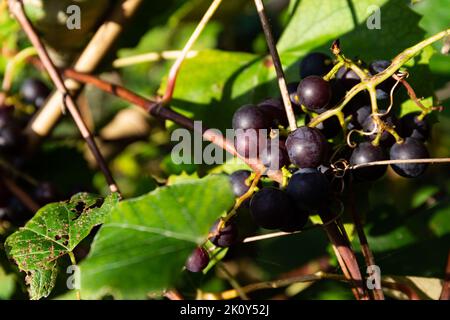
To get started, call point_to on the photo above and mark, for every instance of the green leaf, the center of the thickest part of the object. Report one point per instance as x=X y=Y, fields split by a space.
x=54 y=231
x=142 y=248
x=7 y=284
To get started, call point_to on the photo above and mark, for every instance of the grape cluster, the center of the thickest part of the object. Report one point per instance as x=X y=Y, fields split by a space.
x=307 y=154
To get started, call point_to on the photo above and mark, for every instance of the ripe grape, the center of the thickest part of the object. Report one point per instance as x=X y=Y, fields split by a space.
x=198 y=260
x=306 y=147
x=314 y=93
x=250 y=117
x=296 y=221
x=238 y=182
x=45 y=193
x=309 y=188
x=315 y=64
x=365 y=152
x=347 y=77
x=249 y=142
x=274 y=110
x=271 y=208
x=34 y=91
x=225 y=237
x=409 y=149
x=411 y=126
x=275 y=155
x=369 y=125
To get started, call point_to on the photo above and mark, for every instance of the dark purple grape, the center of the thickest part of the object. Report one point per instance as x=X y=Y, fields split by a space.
x=10 y=137
x=296 y=221
x=315 y=64
x=271 y=208
x=386 y=138
x=365 y=152
x=198 y=260
x=383 y=89
x=238 y=182
x=309 y=188
x=274 y=110
x=227 y=236
x=292 y=90
x=359 y=117
x=337 y=92
x=248 y=143
x=330 y=127
x=306 y=147
x=411 y=126
x=314 y=93
x=275 y=155
x=347 y=77
x=409 y=149
x=34 y=91
x=250 y=117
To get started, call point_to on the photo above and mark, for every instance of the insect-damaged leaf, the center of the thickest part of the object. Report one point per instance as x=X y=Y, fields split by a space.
x=54 y=231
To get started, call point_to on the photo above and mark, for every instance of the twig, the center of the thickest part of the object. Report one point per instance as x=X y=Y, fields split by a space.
x=16 y=8
x=20 y=194
x=173 y=294
x=367 y=253
x=413 y=95
x=151 y=57
x=157 y=110
x=385 y=162
x=173 y=74
x=346 y=257
x=100 y=45
x=277 y=64
x=445 y=294
x=237 y=287
x=232 y=294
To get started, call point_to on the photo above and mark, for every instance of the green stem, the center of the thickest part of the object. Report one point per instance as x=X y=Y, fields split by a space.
x=375 y=80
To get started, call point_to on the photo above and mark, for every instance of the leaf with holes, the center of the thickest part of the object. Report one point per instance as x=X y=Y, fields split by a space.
x=143 y=246
x=54 y=231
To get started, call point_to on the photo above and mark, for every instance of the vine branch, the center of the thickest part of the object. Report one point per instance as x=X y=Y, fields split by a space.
x=157 y=110
x=277 y=64
x=174 y=70
x=16 y=8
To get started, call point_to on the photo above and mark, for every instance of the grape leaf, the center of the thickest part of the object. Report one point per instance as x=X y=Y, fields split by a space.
x=142 y=247
x=54 y=231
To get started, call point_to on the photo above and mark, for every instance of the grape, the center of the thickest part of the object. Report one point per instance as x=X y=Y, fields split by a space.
x=386 y=138
x=296 y=221
x=337 y=92
x=250 y=117
x=306 y=147
x=409 y=149
x=365 y=152
x=198 y=260
x=383 y=89
x=315 y=64
x=359 y=117
x=347 y=77
x=309 y=188
x=248 y=142
x=411 y=126
x=238 y=182
x=227 y=236
x=34 y=91
x=274 y=110
x=330 y=127
x=275 y=155
x=271 y=208
x=314 y=93
x=10 y=137
x=292 y=90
